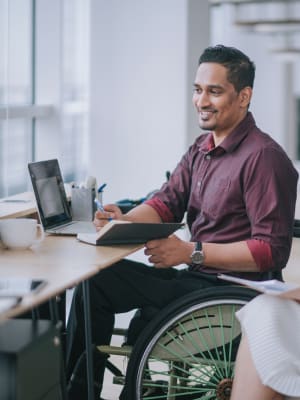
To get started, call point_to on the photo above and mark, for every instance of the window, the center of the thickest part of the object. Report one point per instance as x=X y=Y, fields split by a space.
x=15 y=90
x=43 y=88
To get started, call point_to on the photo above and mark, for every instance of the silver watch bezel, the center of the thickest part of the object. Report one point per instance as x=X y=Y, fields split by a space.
x=197 y=255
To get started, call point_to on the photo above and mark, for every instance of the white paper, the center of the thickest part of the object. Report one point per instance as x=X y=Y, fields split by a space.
x=18 y=286
x=6 y=303
x=272 y=286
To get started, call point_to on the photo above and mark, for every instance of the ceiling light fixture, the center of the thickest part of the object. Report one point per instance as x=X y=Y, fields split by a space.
x=270 y=26
x=288 y=54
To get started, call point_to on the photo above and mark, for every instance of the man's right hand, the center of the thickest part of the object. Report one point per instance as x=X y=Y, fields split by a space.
x=111 y=211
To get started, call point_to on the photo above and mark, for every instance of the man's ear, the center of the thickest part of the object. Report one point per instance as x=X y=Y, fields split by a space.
x=245 y=96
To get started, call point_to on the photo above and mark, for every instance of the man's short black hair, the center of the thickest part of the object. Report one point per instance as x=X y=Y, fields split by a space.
x=241 y=70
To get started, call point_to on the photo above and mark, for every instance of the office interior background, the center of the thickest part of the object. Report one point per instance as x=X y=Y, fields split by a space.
x=106 y=86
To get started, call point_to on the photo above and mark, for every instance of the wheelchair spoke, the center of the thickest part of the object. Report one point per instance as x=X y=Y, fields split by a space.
x=189 y=358
x=232 y=338
x=223 y=340
x=192 y=395
x=190 y=378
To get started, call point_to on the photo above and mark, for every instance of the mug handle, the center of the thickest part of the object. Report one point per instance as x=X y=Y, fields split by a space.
x=40 y=235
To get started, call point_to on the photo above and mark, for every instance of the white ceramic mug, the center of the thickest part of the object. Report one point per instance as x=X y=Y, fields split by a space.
x=20 y=233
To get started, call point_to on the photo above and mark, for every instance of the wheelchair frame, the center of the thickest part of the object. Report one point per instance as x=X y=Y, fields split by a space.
x=188 y=350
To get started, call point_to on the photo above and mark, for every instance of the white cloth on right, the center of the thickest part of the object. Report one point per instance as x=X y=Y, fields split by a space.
x=272 y=325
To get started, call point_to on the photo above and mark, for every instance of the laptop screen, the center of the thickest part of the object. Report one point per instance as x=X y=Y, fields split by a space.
x=48 y=186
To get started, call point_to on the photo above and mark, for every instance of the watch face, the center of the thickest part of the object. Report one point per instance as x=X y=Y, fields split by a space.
x=197 y=257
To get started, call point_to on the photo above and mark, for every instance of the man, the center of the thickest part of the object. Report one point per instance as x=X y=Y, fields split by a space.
x=238 y=190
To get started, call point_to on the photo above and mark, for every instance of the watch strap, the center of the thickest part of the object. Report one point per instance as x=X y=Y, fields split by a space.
x=198 y=246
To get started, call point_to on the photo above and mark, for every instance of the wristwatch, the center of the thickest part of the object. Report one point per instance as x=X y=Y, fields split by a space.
x=197 y=255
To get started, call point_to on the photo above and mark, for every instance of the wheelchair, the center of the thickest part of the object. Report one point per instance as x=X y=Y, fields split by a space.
x=187 y=351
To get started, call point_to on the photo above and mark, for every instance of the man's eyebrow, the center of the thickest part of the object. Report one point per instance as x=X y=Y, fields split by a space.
x=216 y=86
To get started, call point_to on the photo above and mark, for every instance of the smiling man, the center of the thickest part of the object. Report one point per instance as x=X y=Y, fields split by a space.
x=237 y=188
x=220 y=104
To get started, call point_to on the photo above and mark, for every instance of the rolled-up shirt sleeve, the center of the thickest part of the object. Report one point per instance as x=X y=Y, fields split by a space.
x=261 y=253
x=270 y=194
x=162 y=210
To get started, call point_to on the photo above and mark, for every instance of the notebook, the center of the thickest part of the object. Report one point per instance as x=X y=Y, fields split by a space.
x=52 y=203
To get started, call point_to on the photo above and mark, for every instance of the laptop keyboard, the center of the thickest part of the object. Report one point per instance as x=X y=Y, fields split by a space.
x=76 y=227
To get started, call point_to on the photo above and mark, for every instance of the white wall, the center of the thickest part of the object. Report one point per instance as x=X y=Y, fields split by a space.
x=143 y=60
x=144 y=56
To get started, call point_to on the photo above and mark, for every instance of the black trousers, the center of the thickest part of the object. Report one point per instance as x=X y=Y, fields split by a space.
x=125 y=286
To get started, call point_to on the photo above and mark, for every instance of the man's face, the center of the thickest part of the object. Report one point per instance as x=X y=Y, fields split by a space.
x=219 y=106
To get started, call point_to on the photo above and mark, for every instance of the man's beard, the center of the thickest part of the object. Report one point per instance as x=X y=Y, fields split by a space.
x=205 y=127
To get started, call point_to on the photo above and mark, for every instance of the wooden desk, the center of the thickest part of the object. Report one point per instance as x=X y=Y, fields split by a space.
x=60 y=260
x=63 y=262
x=20 y=205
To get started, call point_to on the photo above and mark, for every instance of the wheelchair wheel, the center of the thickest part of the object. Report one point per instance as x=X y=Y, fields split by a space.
x=188 y=351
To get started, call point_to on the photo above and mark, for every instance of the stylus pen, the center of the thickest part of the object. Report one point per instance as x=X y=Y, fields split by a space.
x=100 y=207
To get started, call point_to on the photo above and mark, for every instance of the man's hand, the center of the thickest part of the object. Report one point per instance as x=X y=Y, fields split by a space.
x=169 y=252
x=141 y=213
x=111 y=211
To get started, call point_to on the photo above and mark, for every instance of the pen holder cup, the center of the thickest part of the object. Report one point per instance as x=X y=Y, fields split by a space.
x=82 y=203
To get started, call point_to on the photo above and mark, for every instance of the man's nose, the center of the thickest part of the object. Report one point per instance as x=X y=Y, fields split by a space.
x=201 y=99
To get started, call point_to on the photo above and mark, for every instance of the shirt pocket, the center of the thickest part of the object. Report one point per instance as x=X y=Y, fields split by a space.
x=217 y=200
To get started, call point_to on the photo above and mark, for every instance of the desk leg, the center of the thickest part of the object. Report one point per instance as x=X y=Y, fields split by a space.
x=54 y=314
x=88 y=338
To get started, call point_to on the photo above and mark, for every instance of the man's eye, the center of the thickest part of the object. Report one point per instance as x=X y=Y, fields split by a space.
x=197 y=90
x=215 y=92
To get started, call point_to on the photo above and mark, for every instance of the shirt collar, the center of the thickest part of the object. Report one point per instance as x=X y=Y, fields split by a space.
x=233 y=140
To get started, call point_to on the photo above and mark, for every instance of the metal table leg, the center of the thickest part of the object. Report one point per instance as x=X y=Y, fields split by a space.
x=88 y=338
x=54 y=315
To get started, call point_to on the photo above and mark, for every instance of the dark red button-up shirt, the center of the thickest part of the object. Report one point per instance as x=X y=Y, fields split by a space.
x=243 y=189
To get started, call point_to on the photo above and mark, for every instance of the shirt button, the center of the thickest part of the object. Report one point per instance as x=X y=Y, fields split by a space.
x=207 y=157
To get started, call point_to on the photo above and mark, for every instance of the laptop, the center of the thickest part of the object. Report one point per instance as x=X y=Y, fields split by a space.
x=52 y=203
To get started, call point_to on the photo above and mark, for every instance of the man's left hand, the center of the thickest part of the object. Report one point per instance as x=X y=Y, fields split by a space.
x=169 y=252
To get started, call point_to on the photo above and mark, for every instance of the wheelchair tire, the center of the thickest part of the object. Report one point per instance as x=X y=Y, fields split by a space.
x=188 y=351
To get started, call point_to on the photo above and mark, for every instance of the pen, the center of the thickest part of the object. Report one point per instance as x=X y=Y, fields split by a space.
x=100 y=192
x=100 y=189
x=100 y=207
